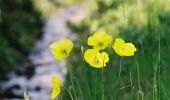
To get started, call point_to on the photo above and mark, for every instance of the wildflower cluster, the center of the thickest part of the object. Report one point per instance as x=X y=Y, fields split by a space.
x=100 y=40
x=94 y=56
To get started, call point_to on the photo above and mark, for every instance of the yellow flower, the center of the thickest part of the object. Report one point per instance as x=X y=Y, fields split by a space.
x=95 y=58
x=62 y=48
x=56 y=87
x=99 y=40
x=124 y=49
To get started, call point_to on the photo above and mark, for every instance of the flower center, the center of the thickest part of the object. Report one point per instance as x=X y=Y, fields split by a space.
x=100 y=43
x=122 y=48
x=64 y=52
x=95 y=60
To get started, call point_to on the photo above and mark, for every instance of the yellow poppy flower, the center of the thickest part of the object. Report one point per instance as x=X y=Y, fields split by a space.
x=99 y=40
x=124 y=49
x=62 y=48
x=95 y=58
x=56 y=87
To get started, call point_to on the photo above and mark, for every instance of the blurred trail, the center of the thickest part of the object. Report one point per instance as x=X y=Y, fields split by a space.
x=36 y=78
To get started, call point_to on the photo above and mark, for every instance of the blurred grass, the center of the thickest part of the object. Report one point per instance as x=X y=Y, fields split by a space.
x=143 y=22
x=49 y=7
x=20 y=27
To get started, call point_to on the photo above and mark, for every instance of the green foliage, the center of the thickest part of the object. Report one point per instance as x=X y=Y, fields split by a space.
x=20 y=26
x=142 y=22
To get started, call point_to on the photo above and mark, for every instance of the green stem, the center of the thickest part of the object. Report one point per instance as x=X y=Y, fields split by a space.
x=80 y=88
x=102 y=84
x=131 y=83
x=69 y=93
x=139 y=86
x=120 y=70
x=72 y=83
x=95 y=95
x=159 y=69
x=155 y=90
x=165 y=91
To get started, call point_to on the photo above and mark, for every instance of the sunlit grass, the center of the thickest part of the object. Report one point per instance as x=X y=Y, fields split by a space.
x=142 y=77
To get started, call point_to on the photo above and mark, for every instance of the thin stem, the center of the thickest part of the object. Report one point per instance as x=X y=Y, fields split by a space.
x=130 y=76
x=103 y=80
x=159 y=69
x=95 y=85
x=165 y=91
x=80 y=88
x=120 y=70
x=139 y=87
x=102 y=84
x=72 y=83
x=131 y=83
x=155 y=84
x=69 y=93
x=61 y=96
x=125 y=87
x=82 y=55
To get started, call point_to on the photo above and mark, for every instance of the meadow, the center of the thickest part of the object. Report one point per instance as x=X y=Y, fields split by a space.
x=143 y=75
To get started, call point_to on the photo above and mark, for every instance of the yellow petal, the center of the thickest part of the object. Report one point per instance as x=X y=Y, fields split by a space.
x=99 y=40
x=129 y=49
x=118 y=46
x=118 y=43
x=122 y=48
x=107 y=39
x=91 y=41
x=55 y=92
x=104 y=56
x=99 y=35
x=60 y=56
x=55 y=81
x=96 y=59
x=67 y=44
x=61 y=48
x=54 y=47
x=89 y=54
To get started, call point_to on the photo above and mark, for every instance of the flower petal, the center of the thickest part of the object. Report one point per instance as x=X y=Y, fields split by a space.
x=89 y=54
x=99 y=40
x=96 y=59
x=67 y=44
x=55 y=92
x=118 y=45
x=55 y=81
x=105 y=57
x=58 y=48
x=129 y=49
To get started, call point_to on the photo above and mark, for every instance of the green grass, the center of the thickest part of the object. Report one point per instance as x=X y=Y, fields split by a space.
x=141 y=76
x=144 y=76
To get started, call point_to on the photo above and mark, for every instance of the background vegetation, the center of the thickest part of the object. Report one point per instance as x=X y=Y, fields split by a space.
x=146 y=23
x=19 y=28
x=143 y=22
